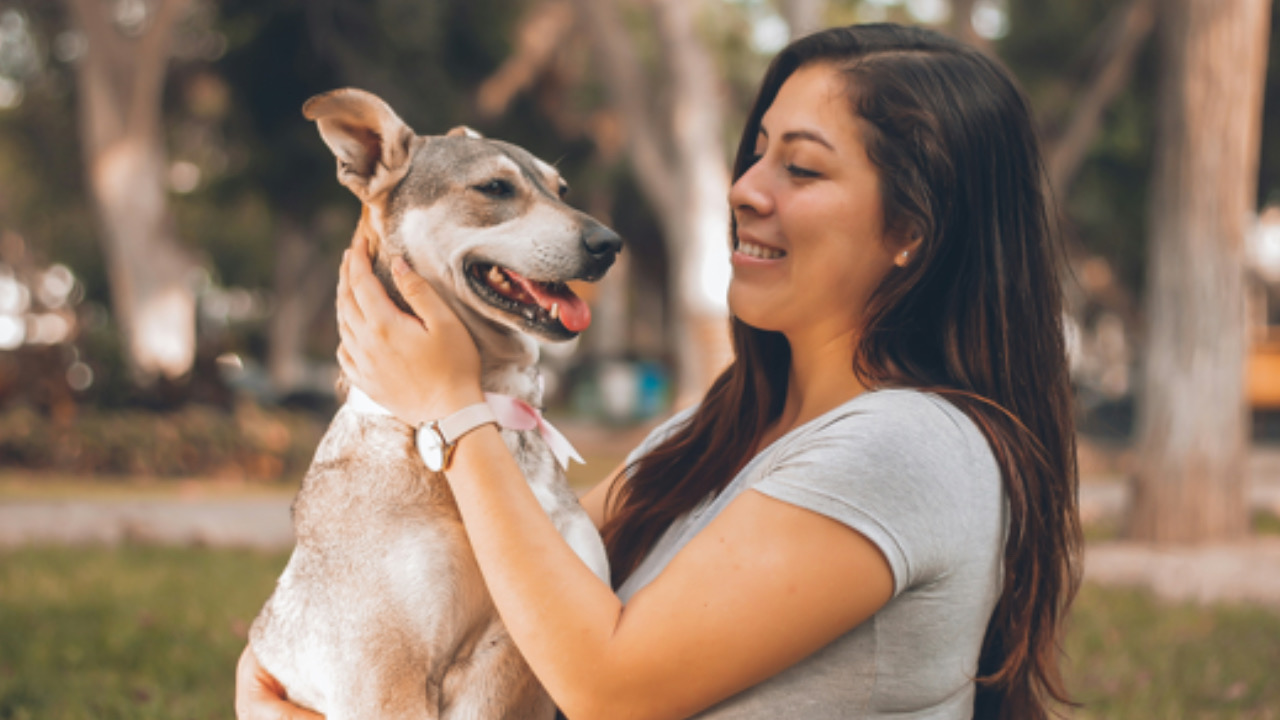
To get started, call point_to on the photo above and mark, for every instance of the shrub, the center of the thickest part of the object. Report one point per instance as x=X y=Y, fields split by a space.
x=249 y=443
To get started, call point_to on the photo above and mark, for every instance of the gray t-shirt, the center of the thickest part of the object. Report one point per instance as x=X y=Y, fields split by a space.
x=914 y=475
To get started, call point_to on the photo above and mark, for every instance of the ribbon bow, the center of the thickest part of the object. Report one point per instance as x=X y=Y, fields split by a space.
x=516 y=414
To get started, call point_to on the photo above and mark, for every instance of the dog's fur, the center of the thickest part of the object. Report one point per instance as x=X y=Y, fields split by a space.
x=382 y=611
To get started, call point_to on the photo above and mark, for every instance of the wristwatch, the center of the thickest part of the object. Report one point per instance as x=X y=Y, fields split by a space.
x=438 y=439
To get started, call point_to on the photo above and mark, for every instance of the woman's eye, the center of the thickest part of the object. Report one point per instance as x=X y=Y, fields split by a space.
x=797 y=171
x=498 y=189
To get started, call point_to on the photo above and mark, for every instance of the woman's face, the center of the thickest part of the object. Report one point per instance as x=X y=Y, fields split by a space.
x=811 y=245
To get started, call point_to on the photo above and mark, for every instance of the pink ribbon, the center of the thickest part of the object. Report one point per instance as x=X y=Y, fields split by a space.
x=516 y=414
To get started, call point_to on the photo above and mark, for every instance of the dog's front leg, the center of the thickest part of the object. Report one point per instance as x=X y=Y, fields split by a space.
x=494 y=683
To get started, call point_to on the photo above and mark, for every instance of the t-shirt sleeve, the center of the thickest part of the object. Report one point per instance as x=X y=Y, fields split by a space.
x=906 y=470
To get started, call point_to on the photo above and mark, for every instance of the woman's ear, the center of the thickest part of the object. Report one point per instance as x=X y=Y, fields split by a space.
x=908 y=251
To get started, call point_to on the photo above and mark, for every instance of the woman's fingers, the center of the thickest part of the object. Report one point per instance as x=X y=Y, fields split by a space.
x=346 y=301
x=422 y=298
x=259 y=696
x=417 y=367
x=348 y=364
x=377 y=310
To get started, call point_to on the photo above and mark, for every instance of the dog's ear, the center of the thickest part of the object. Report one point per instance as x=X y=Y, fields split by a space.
x=464 y=132
x=372 y=144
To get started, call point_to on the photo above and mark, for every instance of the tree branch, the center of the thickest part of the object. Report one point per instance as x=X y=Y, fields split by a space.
x=621 y=68
x=1118 y=53
x=102 y=75
x=541 y=33
x=151 y=66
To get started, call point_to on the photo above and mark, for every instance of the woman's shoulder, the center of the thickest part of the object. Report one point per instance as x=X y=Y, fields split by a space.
x=901 y=416
x=889 y=443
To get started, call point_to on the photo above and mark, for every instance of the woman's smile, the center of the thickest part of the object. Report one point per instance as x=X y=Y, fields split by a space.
x=749 y=252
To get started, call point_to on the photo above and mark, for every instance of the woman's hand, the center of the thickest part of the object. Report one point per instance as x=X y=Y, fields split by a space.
x=260 y=696
x=420 y=368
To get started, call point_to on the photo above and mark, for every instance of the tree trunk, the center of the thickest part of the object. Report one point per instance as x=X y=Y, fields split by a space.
x=303 y=282
x=681 y=167
x=697 y=232
x=1193 y=425
x=120 y=83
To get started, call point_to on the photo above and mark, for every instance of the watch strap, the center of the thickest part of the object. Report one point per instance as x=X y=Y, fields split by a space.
x=464 y=421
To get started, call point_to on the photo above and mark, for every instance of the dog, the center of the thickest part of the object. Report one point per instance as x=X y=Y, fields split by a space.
x=382 y=611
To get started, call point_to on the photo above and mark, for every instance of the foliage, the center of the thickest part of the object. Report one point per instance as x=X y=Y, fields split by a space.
x=244 y=67
x=1049 y=48
x=193 y=441
x=144 y=632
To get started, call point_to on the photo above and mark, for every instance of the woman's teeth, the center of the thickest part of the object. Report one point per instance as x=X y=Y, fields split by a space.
x=759 y=251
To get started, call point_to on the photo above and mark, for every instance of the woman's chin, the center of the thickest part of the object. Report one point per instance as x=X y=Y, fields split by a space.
x=754 y=315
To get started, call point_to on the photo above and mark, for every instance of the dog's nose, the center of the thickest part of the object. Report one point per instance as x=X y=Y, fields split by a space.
x=600 y=240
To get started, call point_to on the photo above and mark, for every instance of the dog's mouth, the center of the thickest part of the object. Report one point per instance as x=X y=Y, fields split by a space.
x=549 y=306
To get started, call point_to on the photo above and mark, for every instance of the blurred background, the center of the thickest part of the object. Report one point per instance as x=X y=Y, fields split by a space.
x=171 y=227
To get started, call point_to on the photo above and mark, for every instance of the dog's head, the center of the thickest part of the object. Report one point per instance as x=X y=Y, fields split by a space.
x=484 y=221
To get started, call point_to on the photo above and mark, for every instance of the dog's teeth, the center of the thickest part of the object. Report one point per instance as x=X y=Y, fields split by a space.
x=495 y=275
x=555 y=311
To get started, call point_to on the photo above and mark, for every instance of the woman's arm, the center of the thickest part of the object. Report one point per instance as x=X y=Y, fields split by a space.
x=763 y=586
x=260 y=696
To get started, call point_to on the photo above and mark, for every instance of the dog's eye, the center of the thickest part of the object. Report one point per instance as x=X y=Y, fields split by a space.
x=498 y=189
x=563 y=189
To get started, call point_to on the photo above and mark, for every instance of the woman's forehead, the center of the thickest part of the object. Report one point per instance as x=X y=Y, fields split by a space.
x=812 y=105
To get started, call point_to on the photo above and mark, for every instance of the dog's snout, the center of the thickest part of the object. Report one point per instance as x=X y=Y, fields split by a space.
x=600 y=240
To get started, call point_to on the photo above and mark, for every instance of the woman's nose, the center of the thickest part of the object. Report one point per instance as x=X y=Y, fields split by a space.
x=748 y=193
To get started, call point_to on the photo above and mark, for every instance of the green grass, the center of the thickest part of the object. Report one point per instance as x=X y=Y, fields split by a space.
x=139 y=632
x=131 y=633
x=1266 y=523
x=1132 y=657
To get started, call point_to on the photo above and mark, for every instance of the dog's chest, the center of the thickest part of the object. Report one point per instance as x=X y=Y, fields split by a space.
x=382 y=583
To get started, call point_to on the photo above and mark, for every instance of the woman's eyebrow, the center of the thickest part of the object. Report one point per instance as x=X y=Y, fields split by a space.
x=793 y=135
x=807 y=135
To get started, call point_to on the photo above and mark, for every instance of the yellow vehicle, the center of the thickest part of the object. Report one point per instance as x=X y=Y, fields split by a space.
x=1262 y=370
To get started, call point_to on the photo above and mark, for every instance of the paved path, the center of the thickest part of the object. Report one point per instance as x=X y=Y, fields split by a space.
x=261 y=522
x=1101 y=500
x=1248 y=571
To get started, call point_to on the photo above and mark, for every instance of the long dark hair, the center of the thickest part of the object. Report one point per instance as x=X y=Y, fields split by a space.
x=976 y=316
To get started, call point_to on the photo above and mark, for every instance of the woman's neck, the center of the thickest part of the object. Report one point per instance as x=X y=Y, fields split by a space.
x=821 y=378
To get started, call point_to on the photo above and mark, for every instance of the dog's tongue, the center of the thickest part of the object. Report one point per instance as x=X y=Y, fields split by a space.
x=575 y=316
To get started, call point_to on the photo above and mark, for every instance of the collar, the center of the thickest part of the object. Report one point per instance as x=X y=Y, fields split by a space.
x=512 y=412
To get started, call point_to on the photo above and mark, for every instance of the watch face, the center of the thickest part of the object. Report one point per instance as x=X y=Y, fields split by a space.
x=431 y=447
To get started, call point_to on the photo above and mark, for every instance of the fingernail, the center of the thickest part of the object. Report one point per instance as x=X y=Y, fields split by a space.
x=399 y=265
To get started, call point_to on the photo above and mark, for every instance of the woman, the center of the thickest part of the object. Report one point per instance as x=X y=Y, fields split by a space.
x=872 y=511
